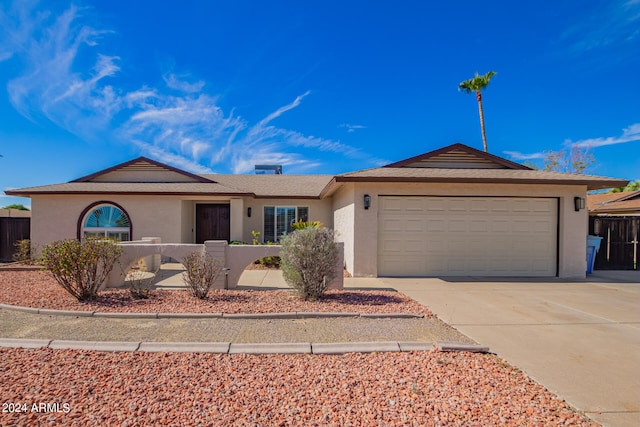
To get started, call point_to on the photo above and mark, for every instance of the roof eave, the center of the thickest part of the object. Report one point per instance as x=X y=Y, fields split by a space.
x=591 y=184
x=150 y=193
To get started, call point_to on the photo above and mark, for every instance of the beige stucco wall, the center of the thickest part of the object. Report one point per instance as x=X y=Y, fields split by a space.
x=55 y=217
x=188 y=222
x=572 y=225
x=172 y=218
x=343 y=220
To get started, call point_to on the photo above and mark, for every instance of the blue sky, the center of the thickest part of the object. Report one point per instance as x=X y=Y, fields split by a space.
x=321 y=87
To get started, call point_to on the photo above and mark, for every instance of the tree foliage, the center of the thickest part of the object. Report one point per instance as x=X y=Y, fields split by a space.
x=576 y=159
x=17 y=206
x=476 y=85
x=632 y=186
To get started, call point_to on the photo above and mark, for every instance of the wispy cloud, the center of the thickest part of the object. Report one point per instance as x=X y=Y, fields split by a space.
x=179 y=83
x=178 y=123
x=630 y=134
x=518 y=156
x=296 y=102
x=351 y=128
x=615 y=22
x=48 y=85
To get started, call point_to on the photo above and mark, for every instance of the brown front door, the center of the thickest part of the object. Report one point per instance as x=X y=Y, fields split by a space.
x=212 y=222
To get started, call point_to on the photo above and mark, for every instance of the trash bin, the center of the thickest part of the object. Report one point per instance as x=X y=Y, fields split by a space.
x=593 y=246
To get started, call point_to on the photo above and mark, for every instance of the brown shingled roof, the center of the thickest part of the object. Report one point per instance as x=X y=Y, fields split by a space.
x=614 y=202
x=518 y=176
x=290 y=186
x=129 y=188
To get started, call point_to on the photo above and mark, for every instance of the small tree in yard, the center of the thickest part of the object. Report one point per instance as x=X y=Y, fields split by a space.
x=308 y=261
x=81 y=267
x=201 y=271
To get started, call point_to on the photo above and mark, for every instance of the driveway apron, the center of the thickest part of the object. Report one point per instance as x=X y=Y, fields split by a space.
x=580 y=339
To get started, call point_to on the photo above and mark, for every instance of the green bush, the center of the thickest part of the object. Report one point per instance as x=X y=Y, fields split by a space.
x=23 y=252
x=201 y=271
x=299 y=225
x=81 y=267
x=308 y=261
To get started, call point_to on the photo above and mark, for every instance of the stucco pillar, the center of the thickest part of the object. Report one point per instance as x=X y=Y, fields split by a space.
x=237 y=218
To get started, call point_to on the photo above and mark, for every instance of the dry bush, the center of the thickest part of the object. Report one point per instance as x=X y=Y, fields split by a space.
x=140 y=281
x=81 y=267
x=201 y=271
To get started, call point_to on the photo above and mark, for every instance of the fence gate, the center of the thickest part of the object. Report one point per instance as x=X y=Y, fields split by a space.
x=619 y=249
x=11 y=230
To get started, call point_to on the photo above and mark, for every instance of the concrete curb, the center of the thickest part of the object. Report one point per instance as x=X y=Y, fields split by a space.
x=239 y=348
x=455 y=346
x=289 y=315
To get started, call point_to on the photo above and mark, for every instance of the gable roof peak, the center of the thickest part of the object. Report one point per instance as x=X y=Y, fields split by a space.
x=457 y=156
x=143 y=169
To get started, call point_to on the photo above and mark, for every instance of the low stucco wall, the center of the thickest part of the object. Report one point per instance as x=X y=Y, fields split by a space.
x=238 y=257
x=235 y=258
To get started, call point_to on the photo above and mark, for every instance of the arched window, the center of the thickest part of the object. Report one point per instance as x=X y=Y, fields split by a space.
x=106 y=220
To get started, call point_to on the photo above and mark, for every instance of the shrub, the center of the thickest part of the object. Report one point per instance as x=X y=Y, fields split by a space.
x=309 y=257
x=201 y=271
x=299 y=225
x=23 y=252
x=81 y=267
x=140 y=281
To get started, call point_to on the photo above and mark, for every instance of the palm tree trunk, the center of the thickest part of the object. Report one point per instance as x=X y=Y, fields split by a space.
x=484 y=136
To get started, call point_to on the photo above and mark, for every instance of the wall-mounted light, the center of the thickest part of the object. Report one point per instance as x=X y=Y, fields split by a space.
x=367 y=201
x=249 y=212
x=579 y=203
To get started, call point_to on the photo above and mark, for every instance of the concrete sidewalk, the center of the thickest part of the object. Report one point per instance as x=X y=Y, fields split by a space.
x=580 y=339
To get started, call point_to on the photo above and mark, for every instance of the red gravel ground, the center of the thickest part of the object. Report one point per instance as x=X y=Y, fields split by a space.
x=86 y=388
x=376 y=389
x=39 y=290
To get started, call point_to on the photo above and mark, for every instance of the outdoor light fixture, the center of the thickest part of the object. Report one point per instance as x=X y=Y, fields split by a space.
x=249 y=212
x=579 y=203
x=367 y=201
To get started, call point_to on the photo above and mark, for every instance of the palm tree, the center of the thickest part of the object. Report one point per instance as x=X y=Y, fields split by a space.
x=477 y=84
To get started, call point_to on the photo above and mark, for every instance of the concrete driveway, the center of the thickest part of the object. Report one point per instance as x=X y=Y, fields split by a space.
x=580 y=339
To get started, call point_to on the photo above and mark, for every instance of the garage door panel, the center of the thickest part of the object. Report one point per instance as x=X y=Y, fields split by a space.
x=460 y=236
x=457 y=226
x=415 y=225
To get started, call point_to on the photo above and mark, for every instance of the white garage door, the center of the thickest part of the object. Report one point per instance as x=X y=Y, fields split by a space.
x=467 y=236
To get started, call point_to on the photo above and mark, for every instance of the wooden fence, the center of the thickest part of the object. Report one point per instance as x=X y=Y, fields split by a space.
x=12 y=229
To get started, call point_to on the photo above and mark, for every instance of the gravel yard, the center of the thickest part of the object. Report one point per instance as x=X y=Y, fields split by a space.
x=37 y=289
x=80 y=388
x=375 y=389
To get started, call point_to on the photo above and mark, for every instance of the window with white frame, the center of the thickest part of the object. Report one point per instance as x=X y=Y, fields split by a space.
x=278 y=220
x=107 y=221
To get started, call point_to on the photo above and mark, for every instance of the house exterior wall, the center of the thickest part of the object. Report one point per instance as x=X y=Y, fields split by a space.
x=188 y=221
x=238 y=216
x=55 y=217
x=572 y=225
x=343 y=222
